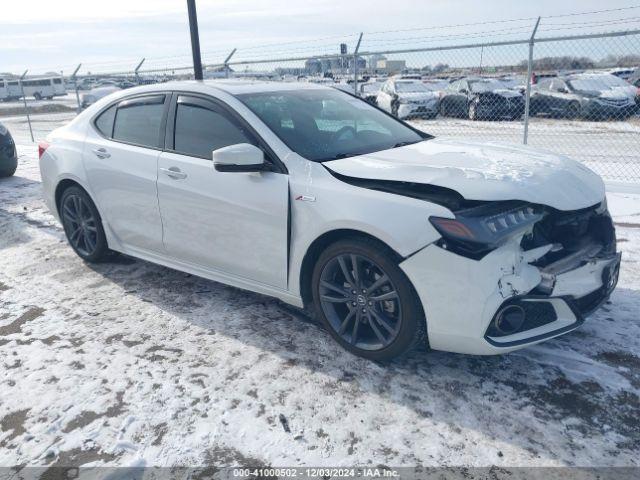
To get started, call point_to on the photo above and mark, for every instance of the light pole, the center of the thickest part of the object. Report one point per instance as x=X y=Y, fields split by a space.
x=195 y=39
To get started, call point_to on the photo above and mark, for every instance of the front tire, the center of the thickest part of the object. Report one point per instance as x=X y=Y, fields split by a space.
x=473 y=111
x=8 y=172
x=365 y=300
x=83 y=225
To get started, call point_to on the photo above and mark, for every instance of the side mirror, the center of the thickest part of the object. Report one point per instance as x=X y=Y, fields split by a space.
x=242 y=157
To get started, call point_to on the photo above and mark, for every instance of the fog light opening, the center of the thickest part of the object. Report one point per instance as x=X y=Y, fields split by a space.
x=510 y=319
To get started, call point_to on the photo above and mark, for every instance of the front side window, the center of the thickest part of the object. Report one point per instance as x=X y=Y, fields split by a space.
x=323 y=125
x=199 y=130
x=138 y=121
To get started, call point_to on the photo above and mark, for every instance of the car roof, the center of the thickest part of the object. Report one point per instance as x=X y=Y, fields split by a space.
x=232 y=87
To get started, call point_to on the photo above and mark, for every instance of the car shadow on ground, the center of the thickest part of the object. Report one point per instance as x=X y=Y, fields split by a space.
x=512 y=397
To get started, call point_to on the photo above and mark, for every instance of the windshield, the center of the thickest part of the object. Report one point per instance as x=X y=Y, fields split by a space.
x=325 y=125
x=435 y=85
x=597 y=82
x=485 y=85
x=512 y=82
x=410 y=87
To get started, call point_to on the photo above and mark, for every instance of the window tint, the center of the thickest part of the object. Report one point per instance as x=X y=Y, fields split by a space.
x=138 y=121
x=104 y=122
x=200 y=130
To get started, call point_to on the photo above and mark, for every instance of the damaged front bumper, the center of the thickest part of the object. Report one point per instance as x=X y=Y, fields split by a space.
x=467 y=302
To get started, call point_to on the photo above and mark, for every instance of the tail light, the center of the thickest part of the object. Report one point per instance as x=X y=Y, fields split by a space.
x=42 y=147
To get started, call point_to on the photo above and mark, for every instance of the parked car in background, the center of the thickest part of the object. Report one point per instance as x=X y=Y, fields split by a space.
x=517 y=83
x=584 y=95
x=95 y=94
x=634 y=79
x=406 y=98
x=8 y=154
x=392 y=238
x=622 y=72
x=369 y=91
x=479 y=98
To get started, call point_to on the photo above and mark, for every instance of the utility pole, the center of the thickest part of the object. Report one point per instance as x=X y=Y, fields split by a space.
x=195 y=39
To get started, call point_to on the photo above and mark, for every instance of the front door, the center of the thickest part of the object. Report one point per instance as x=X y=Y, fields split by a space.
x=233 y=223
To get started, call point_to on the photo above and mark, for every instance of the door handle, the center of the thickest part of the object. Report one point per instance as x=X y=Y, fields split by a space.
x=174 y=172
x=101 y=153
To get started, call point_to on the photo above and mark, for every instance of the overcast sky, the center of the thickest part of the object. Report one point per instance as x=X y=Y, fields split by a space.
x=44 y=35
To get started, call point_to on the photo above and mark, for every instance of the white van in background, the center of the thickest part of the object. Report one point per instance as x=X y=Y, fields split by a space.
x=40 y=88
x=4 y=90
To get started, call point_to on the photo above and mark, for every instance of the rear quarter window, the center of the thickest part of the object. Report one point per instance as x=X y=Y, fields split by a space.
x=104 y=122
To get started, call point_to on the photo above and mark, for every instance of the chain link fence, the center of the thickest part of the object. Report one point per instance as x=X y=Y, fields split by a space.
x=576 y=95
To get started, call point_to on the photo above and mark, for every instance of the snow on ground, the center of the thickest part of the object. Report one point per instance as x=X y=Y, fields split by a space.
x=129 y=363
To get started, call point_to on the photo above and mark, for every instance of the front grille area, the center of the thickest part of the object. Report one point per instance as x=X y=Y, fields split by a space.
x=569 y=232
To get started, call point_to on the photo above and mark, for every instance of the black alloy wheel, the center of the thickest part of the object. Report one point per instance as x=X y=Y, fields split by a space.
x=365 y=300
x=82 y=225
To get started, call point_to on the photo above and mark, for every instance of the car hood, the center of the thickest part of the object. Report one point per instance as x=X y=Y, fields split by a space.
x=482 y=171
x=416 y=96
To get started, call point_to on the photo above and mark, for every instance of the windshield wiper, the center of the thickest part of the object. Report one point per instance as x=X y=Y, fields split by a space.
x=341 y=155
x=404 y=144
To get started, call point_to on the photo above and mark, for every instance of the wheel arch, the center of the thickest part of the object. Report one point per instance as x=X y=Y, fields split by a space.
x=316 y=248
x=64 y=184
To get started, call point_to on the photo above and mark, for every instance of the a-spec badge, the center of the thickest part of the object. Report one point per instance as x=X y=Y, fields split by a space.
x=306 y=198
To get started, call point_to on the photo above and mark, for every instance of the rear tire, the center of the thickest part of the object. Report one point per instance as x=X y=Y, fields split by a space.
x=37 y=96
x=83 y=225
x=385 y=306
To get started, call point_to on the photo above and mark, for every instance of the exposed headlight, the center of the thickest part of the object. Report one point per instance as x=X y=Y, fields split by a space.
x=481 y=229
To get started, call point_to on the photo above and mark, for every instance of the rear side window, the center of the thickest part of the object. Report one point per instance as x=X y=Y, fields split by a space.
x=200 y=130
x=138 y=121
x=104 y=122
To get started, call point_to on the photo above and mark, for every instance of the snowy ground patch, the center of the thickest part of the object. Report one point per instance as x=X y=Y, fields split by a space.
x=129 y=363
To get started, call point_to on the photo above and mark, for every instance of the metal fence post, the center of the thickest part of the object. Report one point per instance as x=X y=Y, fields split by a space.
x=355 y=65
x=527 y=98
x=137 y=69
x=75 y=85
x=226 y=63
x=26 y=107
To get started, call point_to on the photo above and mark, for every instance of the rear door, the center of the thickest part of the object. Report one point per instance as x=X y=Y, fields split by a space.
x=121 y=160
x=234 y=223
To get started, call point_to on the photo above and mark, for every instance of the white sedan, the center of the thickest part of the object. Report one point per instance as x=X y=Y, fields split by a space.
x=408 y=98
x=392 y=238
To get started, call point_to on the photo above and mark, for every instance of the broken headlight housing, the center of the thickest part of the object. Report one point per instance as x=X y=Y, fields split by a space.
x=476 y=231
